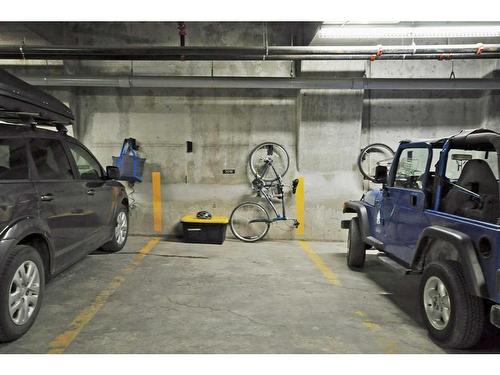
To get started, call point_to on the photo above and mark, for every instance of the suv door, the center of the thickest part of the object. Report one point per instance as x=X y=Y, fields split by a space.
x=100 y=194
x=403 y=202
x=62 y=199
x=18 y=199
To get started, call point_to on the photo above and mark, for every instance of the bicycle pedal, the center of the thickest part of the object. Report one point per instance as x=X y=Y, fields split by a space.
x=296 y=223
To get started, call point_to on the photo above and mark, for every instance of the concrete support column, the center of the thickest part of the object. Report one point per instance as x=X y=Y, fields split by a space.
x=329 y=134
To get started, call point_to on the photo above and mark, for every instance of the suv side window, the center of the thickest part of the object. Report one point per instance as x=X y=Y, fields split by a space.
x=50 y=159
x=410 y=168
x=13 y=159
x=87 y=165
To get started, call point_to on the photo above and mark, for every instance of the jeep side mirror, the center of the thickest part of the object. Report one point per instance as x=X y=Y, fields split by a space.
x=113 y=173
x=381 y=174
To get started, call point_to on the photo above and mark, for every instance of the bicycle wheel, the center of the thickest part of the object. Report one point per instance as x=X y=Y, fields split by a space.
x=249 y=222
x=372 y=156
x=269 y=151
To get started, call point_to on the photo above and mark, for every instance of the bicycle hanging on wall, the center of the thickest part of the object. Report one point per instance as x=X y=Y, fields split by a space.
x=269 y=163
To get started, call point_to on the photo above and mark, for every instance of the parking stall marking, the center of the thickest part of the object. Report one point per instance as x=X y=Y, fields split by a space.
x=331 y=277
x=389 y=346
x=62 y=342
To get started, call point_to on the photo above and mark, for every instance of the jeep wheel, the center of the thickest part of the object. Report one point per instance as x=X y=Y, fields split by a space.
x=22 y=285
x=120 y=233
x=356 y=248
x=453 y=317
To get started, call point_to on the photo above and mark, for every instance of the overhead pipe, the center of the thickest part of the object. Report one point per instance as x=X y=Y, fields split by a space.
x=265 y=83
x=452 y=51
x=427 y=56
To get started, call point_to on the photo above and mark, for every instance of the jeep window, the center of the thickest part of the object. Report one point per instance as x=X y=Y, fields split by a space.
x=458 y=158
x=50 y=159
x=13 y=160
x=411 y=168
x=472 y=185
x=86 y=164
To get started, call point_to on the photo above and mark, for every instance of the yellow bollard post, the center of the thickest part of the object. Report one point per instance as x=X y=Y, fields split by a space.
x=299 y=206
x=157 y=213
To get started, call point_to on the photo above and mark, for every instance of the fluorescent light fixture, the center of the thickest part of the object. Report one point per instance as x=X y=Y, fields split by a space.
x=31 y=62
x=377 y=31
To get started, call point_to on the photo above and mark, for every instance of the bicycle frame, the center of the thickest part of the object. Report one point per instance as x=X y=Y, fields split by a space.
x=279 y=185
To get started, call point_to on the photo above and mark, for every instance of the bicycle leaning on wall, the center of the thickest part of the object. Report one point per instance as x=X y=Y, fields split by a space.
x=269 y=163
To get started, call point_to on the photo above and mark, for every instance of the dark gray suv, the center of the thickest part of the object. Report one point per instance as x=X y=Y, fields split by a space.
x=57 y=204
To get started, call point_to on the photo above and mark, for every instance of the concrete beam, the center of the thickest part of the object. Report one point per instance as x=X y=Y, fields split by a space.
x=265 y=83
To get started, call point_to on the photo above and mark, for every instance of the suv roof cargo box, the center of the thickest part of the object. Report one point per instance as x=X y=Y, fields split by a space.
x=21 y=103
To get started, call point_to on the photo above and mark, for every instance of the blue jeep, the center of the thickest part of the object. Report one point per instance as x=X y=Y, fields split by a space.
x=437 y=214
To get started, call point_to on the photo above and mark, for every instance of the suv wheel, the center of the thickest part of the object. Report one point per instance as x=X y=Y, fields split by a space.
x=21 y=292
x=120 y=232
x=453 y=317
x=356 y=248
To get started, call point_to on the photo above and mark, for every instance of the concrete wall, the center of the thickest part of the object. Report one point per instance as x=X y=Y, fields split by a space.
x=223 y=126
x=323 y=130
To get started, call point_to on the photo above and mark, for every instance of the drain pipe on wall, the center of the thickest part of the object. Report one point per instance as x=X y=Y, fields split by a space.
x=182 y=33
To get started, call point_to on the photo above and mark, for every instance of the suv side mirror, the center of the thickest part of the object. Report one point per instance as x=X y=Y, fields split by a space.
x=112 y=172
x=381 y=174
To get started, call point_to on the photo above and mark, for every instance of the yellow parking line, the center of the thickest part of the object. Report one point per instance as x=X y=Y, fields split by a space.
x=320 y=264
x=61 y=342
x=390 y=346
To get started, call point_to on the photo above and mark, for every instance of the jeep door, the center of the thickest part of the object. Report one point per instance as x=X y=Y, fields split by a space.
x=62 y=199
x=403 y=204
x=100 y=194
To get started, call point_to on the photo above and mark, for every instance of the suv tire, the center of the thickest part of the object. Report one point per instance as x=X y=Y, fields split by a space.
x=120 y=232
x=23 y=272
x=465 y=320
x=356 y=248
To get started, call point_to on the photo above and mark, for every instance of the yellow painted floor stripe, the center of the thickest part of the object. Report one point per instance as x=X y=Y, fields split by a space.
x=61 y=342
x=390 y=346
x=299 y=206
x=157 y=210
x=320 y=264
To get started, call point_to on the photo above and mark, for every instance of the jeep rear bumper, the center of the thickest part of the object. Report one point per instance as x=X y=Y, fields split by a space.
x=495 y=315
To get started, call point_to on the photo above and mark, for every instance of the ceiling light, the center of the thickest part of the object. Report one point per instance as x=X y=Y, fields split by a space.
x=346 y=31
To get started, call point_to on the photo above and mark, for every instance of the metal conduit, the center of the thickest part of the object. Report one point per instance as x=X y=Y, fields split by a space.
x=455 y=51
x=266 y=83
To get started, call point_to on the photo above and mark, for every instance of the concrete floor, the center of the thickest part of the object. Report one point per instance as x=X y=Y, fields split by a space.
x=267 y=297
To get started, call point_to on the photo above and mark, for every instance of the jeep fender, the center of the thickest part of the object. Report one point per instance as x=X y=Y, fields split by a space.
x=466 y=251
x=359 y=208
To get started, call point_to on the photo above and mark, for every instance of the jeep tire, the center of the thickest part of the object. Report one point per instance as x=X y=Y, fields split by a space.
x=453 y=317
x=356 y=248
x=22 y=283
